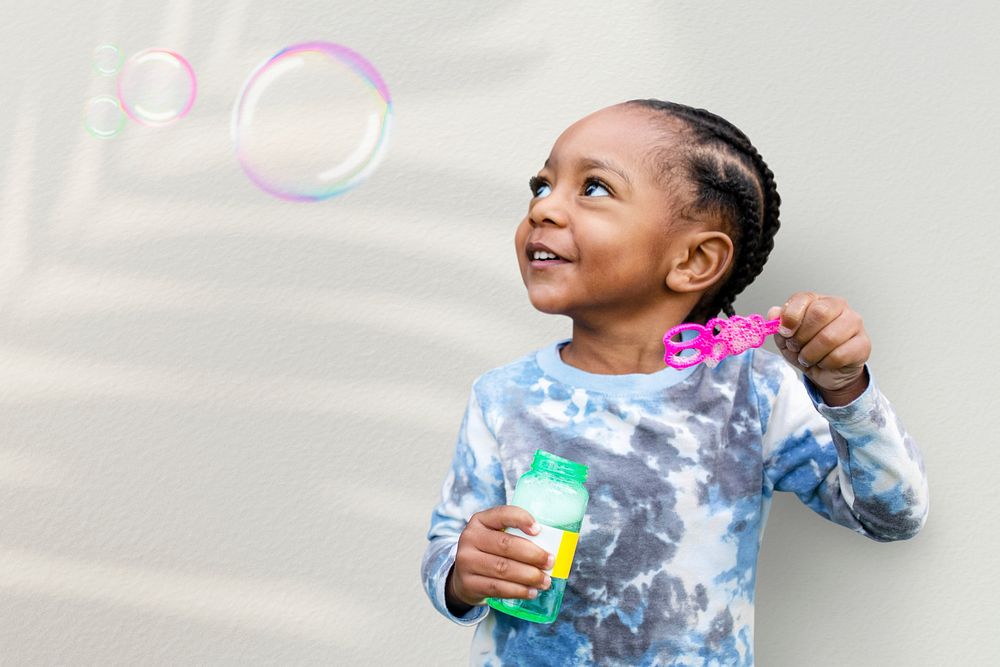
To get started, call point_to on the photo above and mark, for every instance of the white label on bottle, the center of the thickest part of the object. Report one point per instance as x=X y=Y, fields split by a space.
x=559 y=543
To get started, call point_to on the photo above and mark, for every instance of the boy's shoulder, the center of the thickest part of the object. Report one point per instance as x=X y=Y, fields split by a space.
x=521 y=371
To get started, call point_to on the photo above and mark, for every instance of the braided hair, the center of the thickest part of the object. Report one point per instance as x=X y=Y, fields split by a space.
x=731 y=183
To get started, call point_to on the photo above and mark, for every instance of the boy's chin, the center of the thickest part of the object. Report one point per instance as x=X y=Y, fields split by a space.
x=547 y=305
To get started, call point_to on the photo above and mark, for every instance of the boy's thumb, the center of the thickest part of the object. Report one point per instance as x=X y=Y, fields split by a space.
x=509 y=516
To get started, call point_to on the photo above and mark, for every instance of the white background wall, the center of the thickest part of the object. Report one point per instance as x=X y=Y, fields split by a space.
x=224 y=418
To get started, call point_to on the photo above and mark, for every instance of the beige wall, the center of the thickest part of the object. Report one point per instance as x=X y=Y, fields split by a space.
x=224 y=418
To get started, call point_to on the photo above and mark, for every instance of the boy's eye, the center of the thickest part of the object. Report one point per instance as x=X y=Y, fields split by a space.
x=539 y=188
x=594 y=188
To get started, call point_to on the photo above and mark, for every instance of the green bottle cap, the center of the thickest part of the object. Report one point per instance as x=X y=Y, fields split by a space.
x=557 y=465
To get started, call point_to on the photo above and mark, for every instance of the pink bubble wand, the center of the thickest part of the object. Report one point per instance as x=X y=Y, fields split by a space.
x=717 y=339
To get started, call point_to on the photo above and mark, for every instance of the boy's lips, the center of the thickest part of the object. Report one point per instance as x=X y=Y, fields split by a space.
x=531 y=249
x=546 y=263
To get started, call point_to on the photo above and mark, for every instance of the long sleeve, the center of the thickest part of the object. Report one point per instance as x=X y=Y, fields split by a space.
x=855 y=464
x=474 y=482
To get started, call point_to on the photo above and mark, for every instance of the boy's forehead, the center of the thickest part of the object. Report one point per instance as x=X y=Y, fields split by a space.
x=618 y=134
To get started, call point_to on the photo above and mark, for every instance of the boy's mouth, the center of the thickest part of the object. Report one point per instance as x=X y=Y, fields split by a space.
x=540 y=256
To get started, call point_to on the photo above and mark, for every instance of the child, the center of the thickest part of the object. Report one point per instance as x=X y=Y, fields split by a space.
x=648 y=214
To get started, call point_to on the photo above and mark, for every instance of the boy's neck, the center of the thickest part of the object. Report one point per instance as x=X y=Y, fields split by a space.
x=621 y=346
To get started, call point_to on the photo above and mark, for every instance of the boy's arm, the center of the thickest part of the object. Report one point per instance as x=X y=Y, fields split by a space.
x=474 y=483
x=854 y=464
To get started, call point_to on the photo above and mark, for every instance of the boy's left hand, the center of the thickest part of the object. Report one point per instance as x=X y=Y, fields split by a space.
x=827 y=341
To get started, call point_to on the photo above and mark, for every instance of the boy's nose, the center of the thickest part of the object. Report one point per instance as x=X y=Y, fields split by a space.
x=548 y=210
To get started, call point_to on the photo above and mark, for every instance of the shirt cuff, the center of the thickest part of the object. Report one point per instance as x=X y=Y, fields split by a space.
x=471 y=617
x=861 y=408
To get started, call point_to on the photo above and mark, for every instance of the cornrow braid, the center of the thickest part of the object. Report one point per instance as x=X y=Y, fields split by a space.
x=732 y=181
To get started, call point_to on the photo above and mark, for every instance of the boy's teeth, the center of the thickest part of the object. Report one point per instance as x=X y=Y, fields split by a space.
x=541 y=254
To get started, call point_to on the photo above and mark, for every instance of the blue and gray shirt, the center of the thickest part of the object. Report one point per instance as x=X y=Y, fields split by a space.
x=682 y=468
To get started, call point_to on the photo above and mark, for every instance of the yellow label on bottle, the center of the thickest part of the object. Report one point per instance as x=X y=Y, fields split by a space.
x=564 y=557
x=561 y=543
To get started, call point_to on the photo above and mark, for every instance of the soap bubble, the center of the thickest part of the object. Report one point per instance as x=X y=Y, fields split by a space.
x=311 y=122
x=156 y=87
x=103 y=116
x=107 y=59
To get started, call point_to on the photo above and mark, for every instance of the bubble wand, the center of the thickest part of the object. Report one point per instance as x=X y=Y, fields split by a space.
x=717 y=339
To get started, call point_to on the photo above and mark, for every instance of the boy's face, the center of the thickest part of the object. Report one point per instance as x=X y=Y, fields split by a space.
x=597 y=205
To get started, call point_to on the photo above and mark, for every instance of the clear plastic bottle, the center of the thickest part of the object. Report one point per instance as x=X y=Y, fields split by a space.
x=553 y=492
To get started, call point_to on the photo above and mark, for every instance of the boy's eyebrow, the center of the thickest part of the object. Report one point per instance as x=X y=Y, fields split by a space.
x=597 y=163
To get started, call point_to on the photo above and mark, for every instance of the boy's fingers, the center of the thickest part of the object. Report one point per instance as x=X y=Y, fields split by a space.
x=516 y=548
x=794 y=311
x=851 y=355
x=474 y=562
x=781 y=342
x=828 y=339
x=789 y=356
x=506 y=569
x=818 y=313
x=488 y=587
x=508 y=516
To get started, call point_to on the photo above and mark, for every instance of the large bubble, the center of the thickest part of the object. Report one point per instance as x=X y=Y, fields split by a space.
x=103 y=116
x=311 y=122
x=157 y=87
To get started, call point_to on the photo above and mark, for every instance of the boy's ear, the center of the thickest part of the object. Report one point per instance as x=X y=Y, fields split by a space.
x=701 y=262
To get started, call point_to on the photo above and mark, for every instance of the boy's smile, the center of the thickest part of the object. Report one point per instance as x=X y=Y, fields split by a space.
x=595 y=239
x=541 y=256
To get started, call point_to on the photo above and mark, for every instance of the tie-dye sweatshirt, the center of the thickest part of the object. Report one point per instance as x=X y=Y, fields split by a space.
x=682 y=468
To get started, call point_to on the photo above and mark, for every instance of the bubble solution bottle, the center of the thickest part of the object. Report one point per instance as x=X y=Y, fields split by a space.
x=553 y=492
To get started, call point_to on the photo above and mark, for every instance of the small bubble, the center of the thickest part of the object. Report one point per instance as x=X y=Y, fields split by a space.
x=107 y=59
x=103 y=116
x=157 y=87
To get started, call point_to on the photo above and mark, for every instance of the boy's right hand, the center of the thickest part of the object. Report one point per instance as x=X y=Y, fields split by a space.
x=492 y=563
